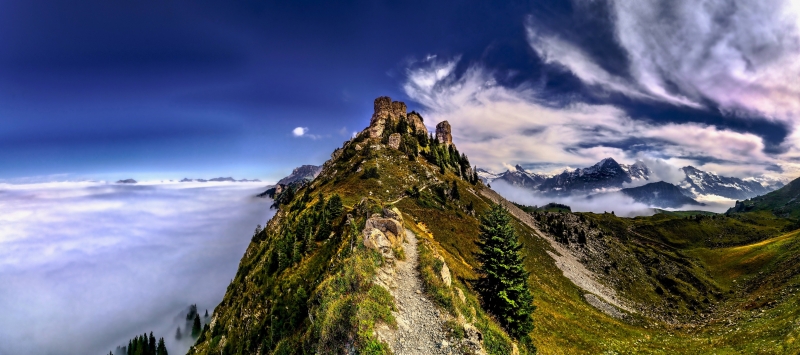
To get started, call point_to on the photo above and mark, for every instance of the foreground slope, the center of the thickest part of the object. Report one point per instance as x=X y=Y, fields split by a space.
x=307 y=283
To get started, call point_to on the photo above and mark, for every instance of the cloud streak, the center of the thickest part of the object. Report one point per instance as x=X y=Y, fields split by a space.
x=498 y=125
x=93 y=264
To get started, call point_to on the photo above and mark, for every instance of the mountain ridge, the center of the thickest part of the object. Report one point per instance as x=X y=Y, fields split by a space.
x=608 y=174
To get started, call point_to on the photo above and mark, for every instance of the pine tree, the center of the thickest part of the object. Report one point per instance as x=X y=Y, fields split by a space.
x=161 y=349
x=206 y=313
x=196 y=326
x=151 y=345
x=454 y=191
x=178 y=334
x=503 y=283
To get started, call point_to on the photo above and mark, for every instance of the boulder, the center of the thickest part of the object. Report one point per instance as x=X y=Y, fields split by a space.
x=394 y=140
x=443 y=133
x=393 y=213
x=391 y=228
x=375 y=239
x=473 y=339
x=445 y=273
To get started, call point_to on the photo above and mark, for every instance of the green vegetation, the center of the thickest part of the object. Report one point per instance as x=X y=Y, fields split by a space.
x=700 y=282
x=503 y=282
x=142 y=345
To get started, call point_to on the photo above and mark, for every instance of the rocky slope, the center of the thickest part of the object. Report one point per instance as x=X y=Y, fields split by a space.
x=700 y=182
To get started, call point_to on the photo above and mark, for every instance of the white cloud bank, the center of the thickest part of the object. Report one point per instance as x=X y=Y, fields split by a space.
x=87 y=266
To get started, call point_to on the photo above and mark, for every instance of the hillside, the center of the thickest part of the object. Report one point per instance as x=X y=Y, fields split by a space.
x=660 y=194
x=376 y=255
x=781 y=203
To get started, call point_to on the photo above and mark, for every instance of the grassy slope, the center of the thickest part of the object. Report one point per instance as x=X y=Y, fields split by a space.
x=251 y=312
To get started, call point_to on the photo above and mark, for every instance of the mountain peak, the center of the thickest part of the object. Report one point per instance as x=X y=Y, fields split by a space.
x=607 y=162
x=388 y=112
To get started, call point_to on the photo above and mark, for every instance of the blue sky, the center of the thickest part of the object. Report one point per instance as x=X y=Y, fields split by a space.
x=111 y=90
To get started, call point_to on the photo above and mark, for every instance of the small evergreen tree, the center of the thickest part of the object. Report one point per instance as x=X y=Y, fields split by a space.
x=161 y=349
x=454 y=191
x=178 y=335
x=206 y=313
x=151 y=345
x=196 y=328
x=503 y=283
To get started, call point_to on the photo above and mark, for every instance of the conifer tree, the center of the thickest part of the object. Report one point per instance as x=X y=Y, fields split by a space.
x=161 y=349
x=196 y=326
x=151 y=345
x=178 y=334
x=503 y=283
x=454 y=191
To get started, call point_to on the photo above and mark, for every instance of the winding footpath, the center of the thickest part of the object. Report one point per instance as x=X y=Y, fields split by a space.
x=420 y=324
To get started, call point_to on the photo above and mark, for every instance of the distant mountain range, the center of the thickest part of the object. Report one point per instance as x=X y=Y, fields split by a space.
x=303 y=172
x=608 y=175
x=219 y=179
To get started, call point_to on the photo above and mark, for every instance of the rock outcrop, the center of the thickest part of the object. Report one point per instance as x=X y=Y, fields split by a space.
x=394 y=140
x=384 y=233
x=443 y=134
x=388 y=112
x=415 y=122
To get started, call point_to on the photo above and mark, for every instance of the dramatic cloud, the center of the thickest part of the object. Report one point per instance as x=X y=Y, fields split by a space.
x=736 y=58
x=743 y=55
x=499 y=126
x=87 y=266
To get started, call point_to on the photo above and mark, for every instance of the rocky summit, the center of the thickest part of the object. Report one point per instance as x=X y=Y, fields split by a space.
x=378 y=253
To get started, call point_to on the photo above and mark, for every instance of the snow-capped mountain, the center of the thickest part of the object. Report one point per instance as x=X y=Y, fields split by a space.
x=700 y=182
x=609 y=175
x=521 y=177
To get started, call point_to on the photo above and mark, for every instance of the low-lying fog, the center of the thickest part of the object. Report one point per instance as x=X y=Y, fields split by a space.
x=86 y=266
x=619 y=203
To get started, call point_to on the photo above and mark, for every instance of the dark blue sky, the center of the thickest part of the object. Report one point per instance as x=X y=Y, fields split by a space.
x=115 y=89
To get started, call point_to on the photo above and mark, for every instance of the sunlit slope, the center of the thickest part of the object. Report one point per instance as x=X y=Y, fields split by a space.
x=697 y=283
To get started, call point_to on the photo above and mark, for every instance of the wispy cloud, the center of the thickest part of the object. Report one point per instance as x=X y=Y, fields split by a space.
x=498 y=126
x=113 y=261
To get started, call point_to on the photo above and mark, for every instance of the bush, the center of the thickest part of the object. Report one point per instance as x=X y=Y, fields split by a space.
x=370 y=173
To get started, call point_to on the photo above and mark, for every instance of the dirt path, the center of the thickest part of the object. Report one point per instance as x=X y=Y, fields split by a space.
x=419 y=322
x=566 y=260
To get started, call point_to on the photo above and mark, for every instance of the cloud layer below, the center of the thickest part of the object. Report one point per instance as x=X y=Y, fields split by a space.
x=87 y=266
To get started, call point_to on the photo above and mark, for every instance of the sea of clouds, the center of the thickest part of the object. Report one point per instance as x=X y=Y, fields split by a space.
x=611 y=201
x=85 y=266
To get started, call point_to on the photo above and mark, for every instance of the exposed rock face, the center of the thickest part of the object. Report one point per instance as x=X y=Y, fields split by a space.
x=394 y=140
x=443 y=134
x=388 y=112
x=415 y=122
x=303 y=172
